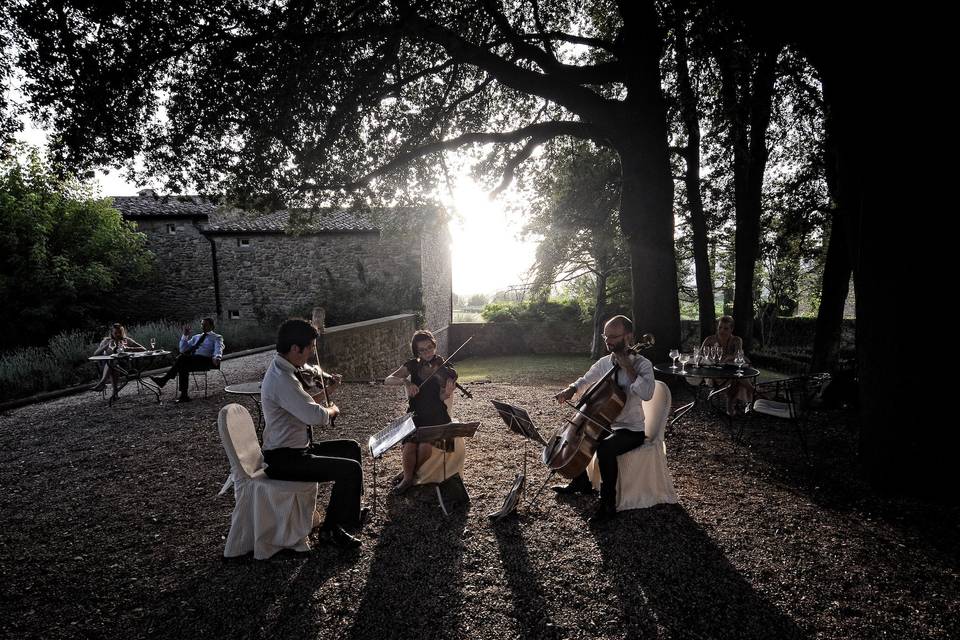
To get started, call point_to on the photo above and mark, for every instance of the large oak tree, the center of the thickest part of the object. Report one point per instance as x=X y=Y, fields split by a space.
x=304 y=102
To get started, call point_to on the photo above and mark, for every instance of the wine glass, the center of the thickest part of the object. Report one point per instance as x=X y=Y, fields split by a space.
x=695 y=359
x=739 y=360
x=684 y=359
x=153 y=344
x=674 y=353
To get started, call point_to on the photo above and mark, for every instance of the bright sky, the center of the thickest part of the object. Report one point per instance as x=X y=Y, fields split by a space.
x=486 y=252
x=487 y=256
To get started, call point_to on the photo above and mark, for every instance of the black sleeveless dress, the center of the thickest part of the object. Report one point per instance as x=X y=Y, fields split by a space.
x=427 y=407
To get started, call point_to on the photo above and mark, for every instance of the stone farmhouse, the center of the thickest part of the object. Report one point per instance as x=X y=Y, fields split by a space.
x=236 y=266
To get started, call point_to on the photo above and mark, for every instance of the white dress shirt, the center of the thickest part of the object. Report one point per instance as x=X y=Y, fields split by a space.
x=287 y=408
x=211 y=347
x=631 y=417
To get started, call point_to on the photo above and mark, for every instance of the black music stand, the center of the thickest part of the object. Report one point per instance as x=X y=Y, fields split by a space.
x=453 y=487
x=385 y=440
x=518 y=420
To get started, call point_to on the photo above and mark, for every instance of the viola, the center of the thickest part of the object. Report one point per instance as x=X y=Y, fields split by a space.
x=312 y=376
x=571 y=448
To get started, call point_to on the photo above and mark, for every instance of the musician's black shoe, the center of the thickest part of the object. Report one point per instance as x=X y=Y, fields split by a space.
x=364 y=516
x=159 y=380
x=572 y=488
x=337 y=537
x=604 y=513
x=183 y=398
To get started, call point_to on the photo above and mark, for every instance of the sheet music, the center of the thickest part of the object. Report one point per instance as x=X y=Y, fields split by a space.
x=394 y=433
x=519 y=421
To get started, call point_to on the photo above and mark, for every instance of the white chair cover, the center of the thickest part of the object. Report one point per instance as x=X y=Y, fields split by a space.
x=774 y=408
x=644 y=479
x=433 y=469
x=269 y=515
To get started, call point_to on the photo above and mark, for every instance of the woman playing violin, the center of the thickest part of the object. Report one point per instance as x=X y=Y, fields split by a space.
x=430 y=388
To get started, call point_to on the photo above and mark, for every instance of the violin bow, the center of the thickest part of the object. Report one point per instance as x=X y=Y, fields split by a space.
x=318 y=323
x=449 y=358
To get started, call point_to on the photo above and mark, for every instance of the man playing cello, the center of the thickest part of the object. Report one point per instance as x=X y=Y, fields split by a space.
x=635 y=377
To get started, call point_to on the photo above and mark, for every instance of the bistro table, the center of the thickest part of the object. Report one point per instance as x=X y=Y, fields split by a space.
x=726 y=372
x=251 y=390
x=130 y=366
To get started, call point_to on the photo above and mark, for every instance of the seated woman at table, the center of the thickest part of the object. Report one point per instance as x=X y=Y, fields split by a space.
x=430 y=389
x=729 y=345
x=116 y=341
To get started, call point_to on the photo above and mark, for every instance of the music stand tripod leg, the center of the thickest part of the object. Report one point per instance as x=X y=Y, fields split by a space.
x=376 y=498
x=533 y=500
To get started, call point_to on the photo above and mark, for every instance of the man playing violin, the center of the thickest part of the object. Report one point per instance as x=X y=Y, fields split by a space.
x=635 y=377
x=290 y=413
x=430 y=388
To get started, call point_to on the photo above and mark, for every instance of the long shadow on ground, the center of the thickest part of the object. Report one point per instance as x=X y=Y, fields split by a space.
x=414 y=586
x=669 y=575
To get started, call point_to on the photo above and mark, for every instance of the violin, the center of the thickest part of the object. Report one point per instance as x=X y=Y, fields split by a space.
x=571 y=448
x=430 y=368
x=311 y=375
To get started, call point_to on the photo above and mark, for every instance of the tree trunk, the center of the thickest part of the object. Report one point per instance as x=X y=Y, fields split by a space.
x=646 y=195
x=750 y=161
x=836 y=280
x=698 y=221
x=597 y=347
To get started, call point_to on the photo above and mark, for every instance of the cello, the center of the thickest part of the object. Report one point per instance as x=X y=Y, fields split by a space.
x=571 y=448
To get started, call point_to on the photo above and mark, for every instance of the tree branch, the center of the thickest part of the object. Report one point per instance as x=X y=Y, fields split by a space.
x=557 y=89
x=543 y=130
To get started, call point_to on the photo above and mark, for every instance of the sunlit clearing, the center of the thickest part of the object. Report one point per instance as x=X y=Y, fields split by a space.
x=487 y=256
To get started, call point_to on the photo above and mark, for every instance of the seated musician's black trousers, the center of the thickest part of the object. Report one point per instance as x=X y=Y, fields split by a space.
x=336 y=461
x=618 y=443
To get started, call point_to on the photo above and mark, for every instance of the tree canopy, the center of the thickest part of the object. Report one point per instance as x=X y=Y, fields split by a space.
x=306 y=102
x=66 y=259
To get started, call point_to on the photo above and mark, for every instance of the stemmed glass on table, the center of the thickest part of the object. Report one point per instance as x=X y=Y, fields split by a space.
x=153 y=344
x=695 y=358
x=674 y=353
x=739 y=360
x=684 y=359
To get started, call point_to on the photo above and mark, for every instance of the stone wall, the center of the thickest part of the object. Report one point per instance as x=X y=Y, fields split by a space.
x=369 y=350
x=437 y=286
x=182 y=288
x=271 y=276
x=507 y=338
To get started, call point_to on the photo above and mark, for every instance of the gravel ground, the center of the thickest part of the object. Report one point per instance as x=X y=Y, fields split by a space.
x=112 y=528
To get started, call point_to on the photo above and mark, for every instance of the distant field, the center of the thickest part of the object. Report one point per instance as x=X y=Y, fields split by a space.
x=467 y=316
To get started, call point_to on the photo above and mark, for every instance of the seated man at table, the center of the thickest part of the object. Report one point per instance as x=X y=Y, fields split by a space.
x=635 y=377
x=200 y=352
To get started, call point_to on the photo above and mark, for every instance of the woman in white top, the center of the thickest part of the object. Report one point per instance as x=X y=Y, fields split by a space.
x=117 y=341
x=730 y=345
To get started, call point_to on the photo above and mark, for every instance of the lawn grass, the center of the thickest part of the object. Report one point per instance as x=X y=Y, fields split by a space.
x=539 y=369
x=525 y=369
